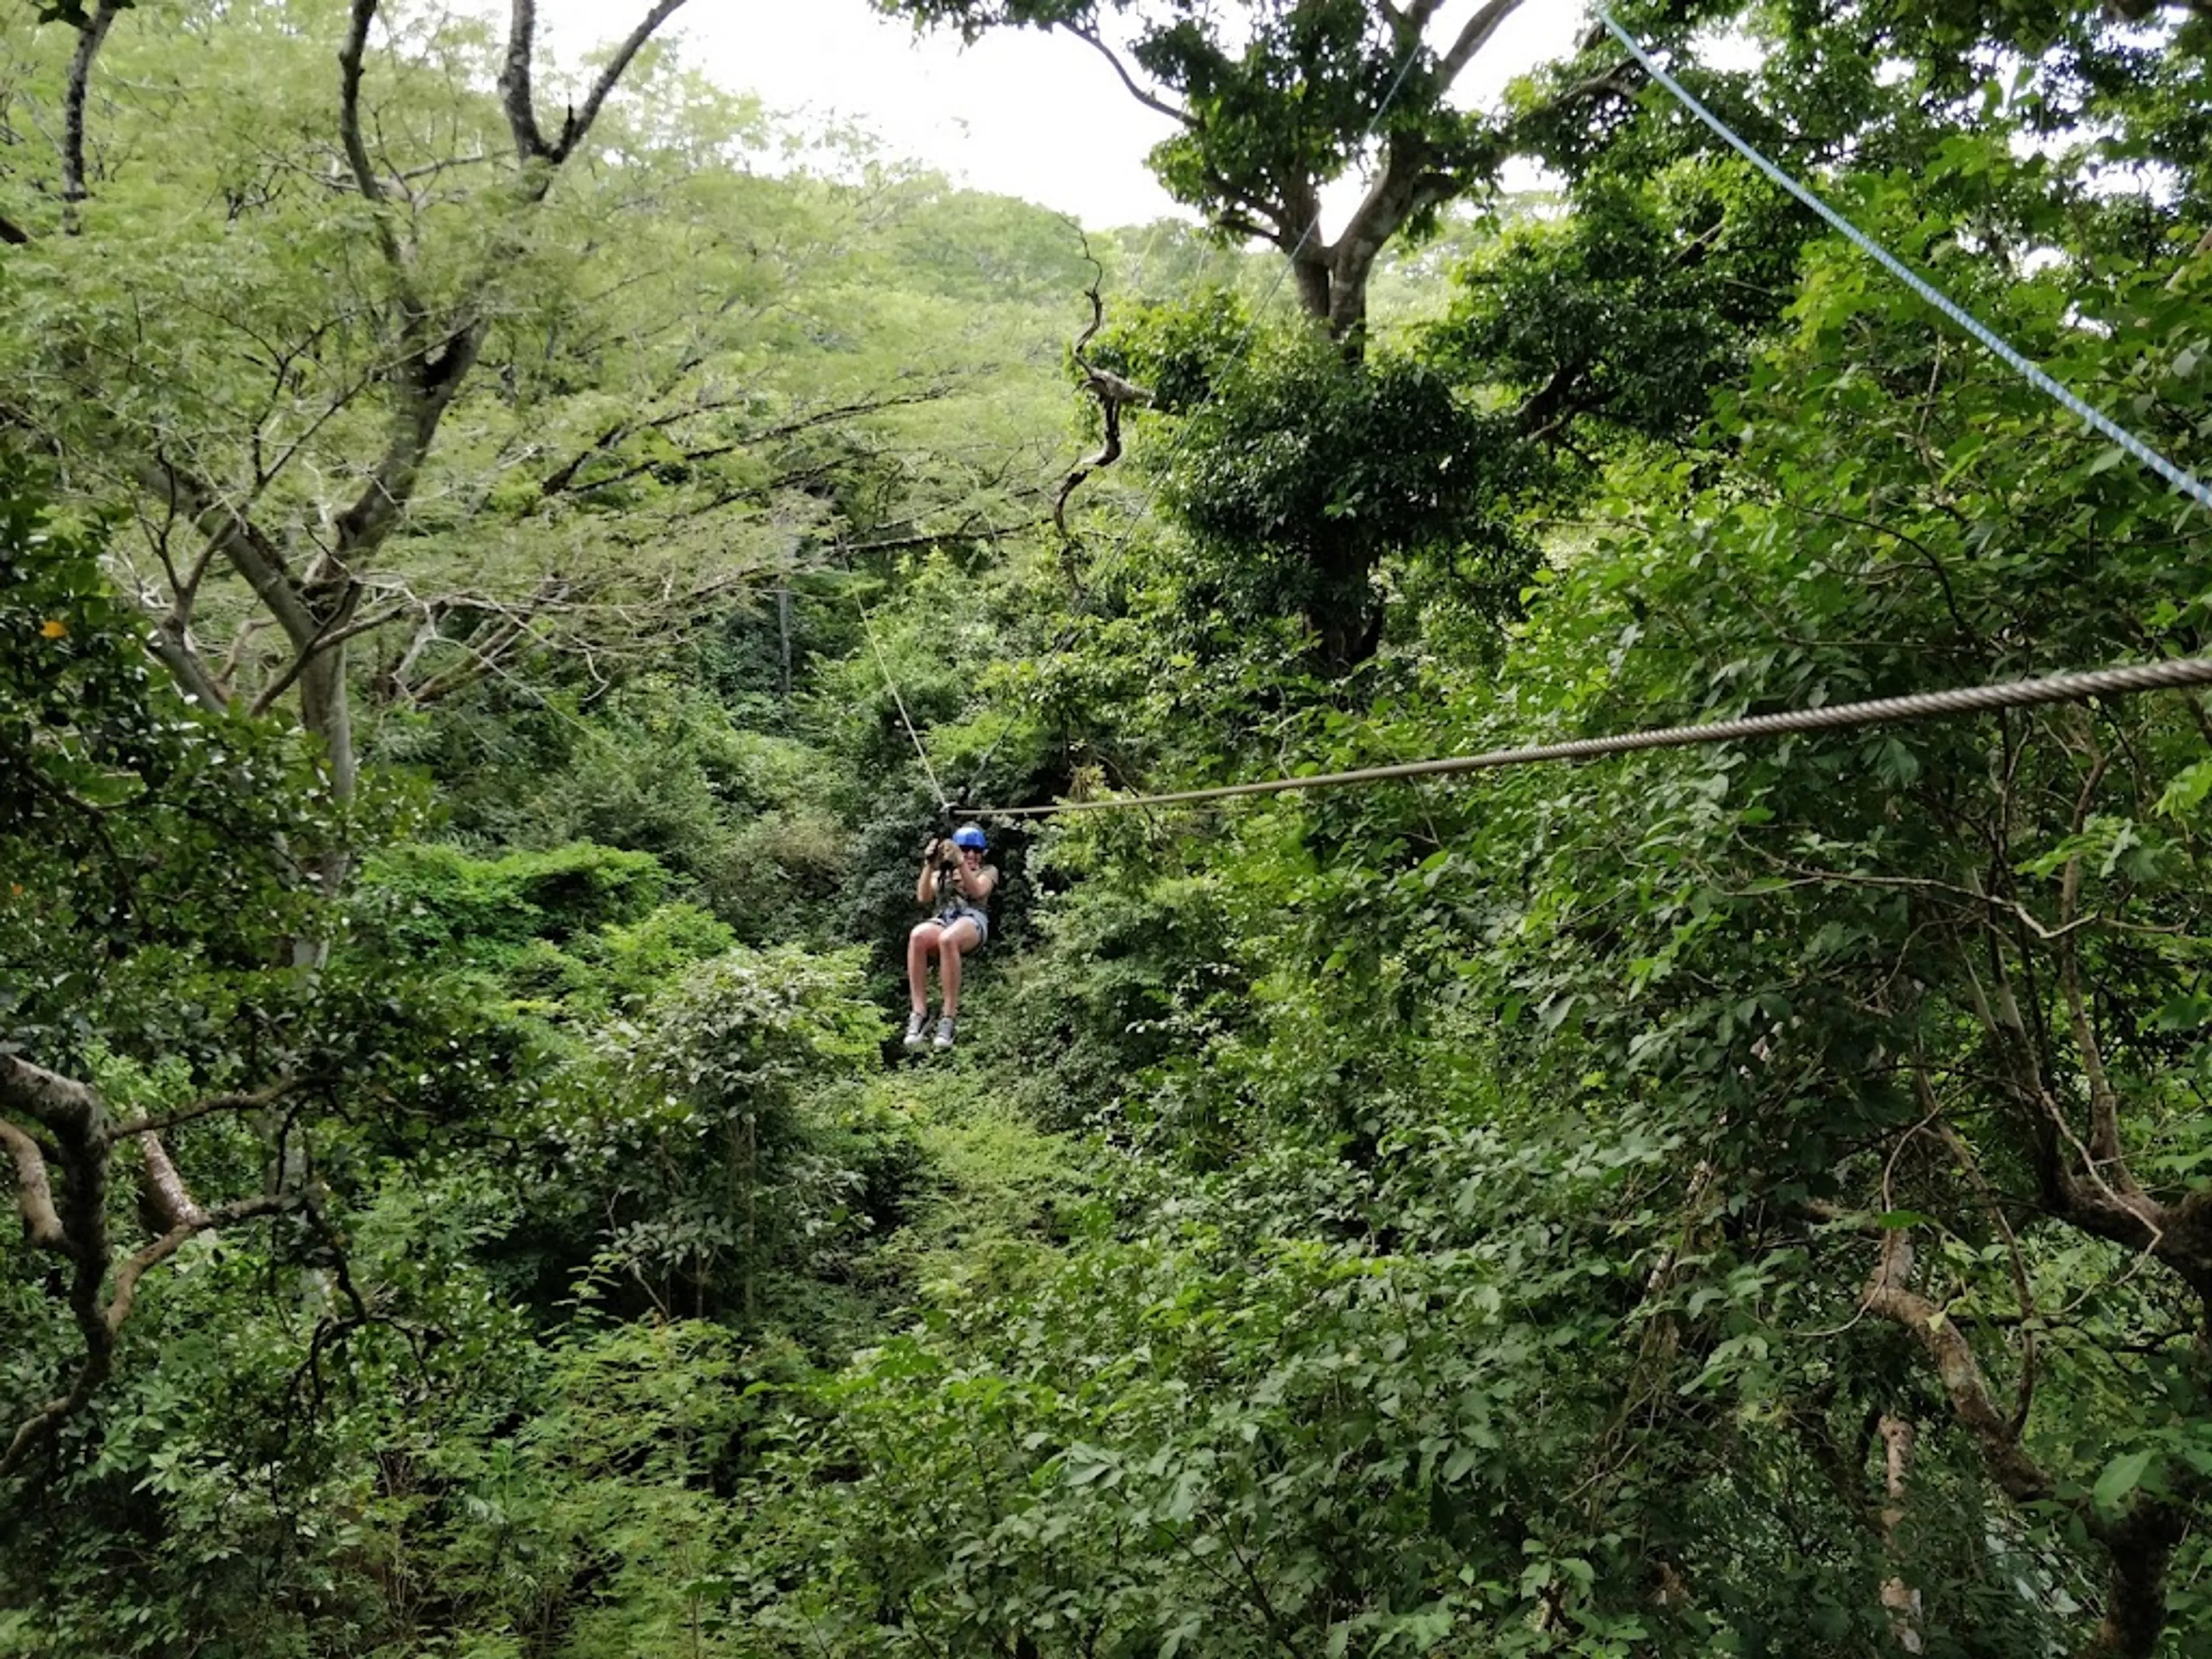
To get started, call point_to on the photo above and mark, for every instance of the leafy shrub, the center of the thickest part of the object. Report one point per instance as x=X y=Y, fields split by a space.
x=714 y=1157
x=434 y=903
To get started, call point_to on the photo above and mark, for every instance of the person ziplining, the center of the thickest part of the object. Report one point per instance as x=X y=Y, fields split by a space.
x=956 y=881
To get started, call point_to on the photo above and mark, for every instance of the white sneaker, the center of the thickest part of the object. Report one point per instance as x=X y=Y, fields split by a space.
x=916 y=1023
x=943 y=1033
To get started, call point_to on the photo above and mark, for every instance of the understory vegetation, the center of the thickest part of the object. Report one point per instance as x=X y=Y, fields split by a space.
x=494 y=605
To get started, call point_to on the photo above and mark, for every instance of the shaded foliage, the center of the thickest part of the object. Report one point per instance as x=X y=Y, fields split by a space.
x=1746 y=1200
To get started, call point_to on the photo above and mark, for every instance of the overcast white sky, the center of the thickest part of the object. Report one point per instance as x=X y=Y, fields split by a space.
x=1023 y=113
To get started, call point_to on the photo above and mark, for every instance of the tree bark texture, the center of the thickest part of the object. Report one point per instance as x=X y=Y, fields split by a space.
x=2138 y=1546
x=69 y=1137
x=1898 y=1599
x=92 y=34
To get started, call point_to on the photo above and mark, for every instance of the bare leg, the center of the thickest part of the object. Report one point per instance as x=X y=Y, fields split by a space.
x=959 y=936
x=919 y=944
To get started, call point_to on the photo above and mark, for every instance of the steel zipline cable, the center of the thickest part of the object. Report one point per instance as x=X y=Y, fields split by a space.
x=2180 y=671
x=2018 y=694
x=2187 y=482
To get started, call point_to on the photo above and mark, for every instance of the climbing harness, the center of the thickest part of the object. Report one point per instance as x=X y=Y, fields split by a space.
x=953 y=902
x=2094 y=418
x=1923 y=705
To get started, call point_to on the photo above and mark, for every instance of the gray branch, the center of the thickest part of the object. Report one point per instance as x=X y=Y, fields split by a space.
x=91 y=37
x=518 y=100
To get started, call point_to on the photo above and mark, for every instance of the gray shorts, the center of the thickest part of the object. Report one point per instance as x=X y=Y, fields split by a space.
x=947 y=917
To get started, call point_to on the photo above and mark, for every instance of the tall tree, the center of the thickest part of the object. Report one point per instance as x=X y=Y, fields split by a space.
x=1279 y=101
x=417 y=215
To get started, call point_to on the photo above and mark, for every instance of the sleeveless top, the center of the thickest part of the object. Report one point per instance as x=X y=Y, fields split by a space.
x=954 y=905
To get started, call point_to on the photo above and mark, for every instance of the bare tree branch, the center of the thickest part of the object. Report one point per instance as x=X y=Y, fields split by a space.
x=578 y=124
x=1113 y=394
x=241 y=542
x=1473 y=36
x=428 y=380
x=81 y=1147
x=197 y=1222
x=2139 y=1543
x=161 y=1122
x=2104 y=1101
x=968 y=530
x=1889 y=1295
x=167 y=1196
x=1151 y=101
x=350 y=52
x=349 y=138
x=62 y=1104
x=1899 y=1596
x=172 y=648
x=515 y=91
x=71 y=1114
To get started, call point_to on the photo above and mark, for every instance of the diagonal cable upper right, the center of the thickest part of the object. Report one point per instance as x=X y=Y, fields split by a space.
x=2187 y=482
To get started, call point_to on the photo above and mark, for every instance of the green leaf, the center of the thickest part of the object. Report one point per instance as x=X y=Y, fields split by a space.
x=2121 y=1476
x=2187 y=1011
x=2186 y=793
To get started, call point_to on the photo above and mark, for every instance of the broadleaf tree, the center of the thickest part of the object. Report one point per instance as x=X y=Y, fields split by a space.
x=415 y=222
x=1279 y=102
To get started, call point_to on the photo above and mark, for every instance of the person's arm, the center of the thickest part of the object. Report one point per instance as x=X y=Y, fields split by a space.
x=977 y=884
x=925 y=884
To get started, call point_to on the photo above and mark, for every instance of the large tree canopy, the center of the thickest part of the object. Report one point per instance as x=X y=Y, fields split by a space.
x=1281 y=99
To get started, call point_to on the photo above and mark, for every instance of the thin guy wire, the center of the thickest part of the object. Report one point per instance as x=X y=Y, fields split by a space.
x=1923 y=705
x=905 y=719
x=2094 y=418
x=1136 y=282
x=530 y=691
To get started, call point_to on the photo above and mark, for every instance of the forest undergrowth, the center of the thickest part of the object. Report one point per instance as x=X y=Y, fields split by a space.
x=495 y=605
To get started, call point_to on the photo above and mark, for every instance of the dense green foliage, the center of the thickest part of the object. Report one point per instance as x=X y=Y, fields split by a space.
x=1751 y=1199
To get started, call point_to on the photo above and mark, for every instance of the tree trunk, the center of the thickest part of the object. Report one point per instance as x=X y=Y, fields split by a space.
x=1347 y=314
x=326 y=711
x=1346 y=625
x=1898 y=1599
x=2141 y=1547
x=433 y=347
x=1309 y=265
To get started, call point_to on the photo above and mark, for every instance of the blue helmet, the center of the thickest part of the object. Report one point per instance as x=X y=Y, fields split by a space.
x=968 y=835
